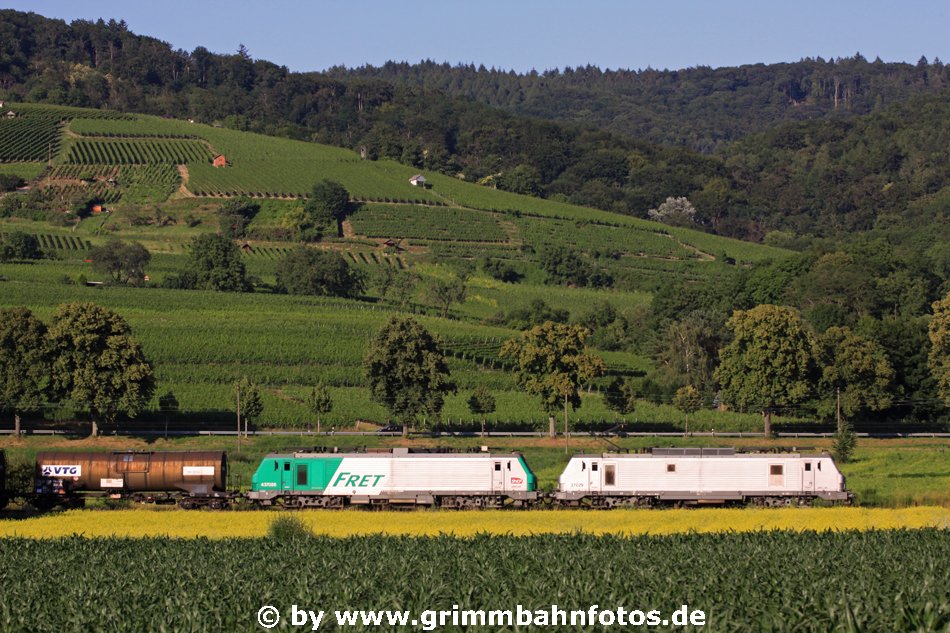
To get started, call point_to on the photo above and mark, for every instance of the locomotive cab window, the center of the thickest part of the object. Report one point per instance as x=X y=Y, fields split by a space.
x=509 y=465
x=819 y=465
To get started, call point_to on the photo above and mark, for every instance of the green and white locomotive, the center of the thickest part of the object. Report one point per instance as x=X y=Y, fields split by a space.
x=398 y=476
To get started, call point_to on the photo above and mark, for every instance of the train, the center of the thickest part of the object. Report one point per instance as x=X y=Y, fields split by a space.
x=422 y=477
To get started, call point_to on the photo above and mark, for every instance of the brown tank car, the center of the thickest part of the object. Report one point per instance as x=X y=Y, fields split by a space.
x=127 y=472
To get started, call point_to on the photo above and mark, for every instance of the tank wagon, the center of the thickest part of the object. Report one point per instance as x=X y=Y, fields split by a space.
x=692 y=476
x=3 y=481
x=192 y=478
x=392 y=477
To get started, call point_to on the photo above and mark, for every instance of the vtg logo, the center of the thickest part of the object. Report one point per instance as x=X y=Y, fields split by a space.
x=55 y=470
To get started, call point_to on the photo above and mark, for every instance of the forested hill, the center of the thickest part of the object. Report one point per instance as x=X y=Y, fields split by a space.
x=829 y=176
x=701 y=108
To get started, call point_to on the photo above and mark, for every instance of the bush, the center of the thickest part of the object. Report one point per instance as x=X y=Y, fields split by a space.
x=287 y=528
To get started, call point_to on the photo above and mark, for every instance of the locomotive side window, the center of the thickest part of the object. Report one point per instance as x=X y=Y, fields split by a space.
x=610 y=474
x=671 y=468
x=287 y=466
x=301 y=474
x=807 y=466
x=819 y=465
x=509 y=465
x=593 y=467
x=497 y=466
x=776 y=475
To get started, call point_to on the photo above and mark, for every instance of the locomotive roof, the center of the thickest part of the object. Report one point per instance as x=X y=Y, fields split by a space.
x=395 y=452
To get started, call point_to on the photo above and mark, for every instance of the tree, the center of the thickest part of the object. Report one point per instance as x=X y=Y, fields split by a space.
x=552 y=363
x=620 y=396
x=444 y=293
x=328 y=201
x=407 y=371
x=247 y=400
x=24 y=363
x=939 y=358
x=481 y=403
x=770 y=363
x=564 y=266
x=397 y=285
x=319 y=402
x=97 y=364
x=125 y=262
x=675 y=211
x=18 y=245
x=686 y=350
x=216 y=264
x=844 y=443
x=688 y=400
x=309 y=271
x=234 y=216
x=857 y=369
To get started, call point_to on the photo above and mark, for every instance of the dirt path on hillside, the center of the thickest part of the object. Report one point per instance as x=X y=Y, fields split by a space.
x=183 y=188
x=348 y=231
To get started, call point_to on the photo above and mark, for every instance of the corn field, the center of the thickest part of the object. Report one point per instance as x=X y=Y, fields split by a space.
x=775 y=581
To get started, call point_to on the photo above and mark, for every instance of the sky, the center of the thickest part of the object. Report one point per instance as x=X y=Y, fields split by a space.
x=522 y=35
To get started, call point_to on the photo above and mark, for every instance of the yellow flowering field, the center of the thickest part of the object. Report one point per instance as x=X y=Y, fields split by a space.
x=190 y=524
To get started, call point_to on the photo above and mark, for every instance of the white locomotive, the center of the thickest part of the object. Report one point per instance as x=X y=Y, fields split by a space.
x=691 y=476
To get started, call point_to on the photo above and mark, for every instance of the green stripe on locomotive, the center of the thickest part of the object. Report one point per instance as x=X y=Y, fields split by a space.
x=311 y=474
x=532 y=480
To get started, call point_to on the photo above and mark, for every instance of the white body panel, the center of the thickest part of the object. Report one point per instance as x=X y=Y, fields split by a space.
x=697 y=476
x=383 y=474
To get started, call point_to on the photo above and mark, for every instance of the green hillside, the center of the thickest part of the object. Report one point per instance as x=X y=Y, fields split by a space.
x=155 y=179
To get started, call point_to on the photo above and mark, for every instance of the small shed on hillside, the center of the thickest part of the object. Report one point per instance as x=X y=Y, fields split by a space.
x=220 y=161
x=418 y=180
x=10 y=114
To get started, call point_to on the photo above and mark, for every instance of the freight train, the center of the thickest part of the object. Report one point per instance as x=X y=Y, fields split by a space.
x=409 y=477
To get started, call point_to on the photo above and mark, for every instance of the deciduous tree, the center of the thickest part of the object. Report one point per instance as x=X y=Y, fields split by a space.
x=216 y=264
x=319 y=402
x=857 y=368
x=688 y=400
x=309 y=271
x=18 y=245
x=552 y=363
x=125 y=262
x=407 y=371
x=24 y=362
x=97 y=364
x=328 y=201
x=770 y=363
x=620 y=396
x=482 y=403
x=939 y=358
